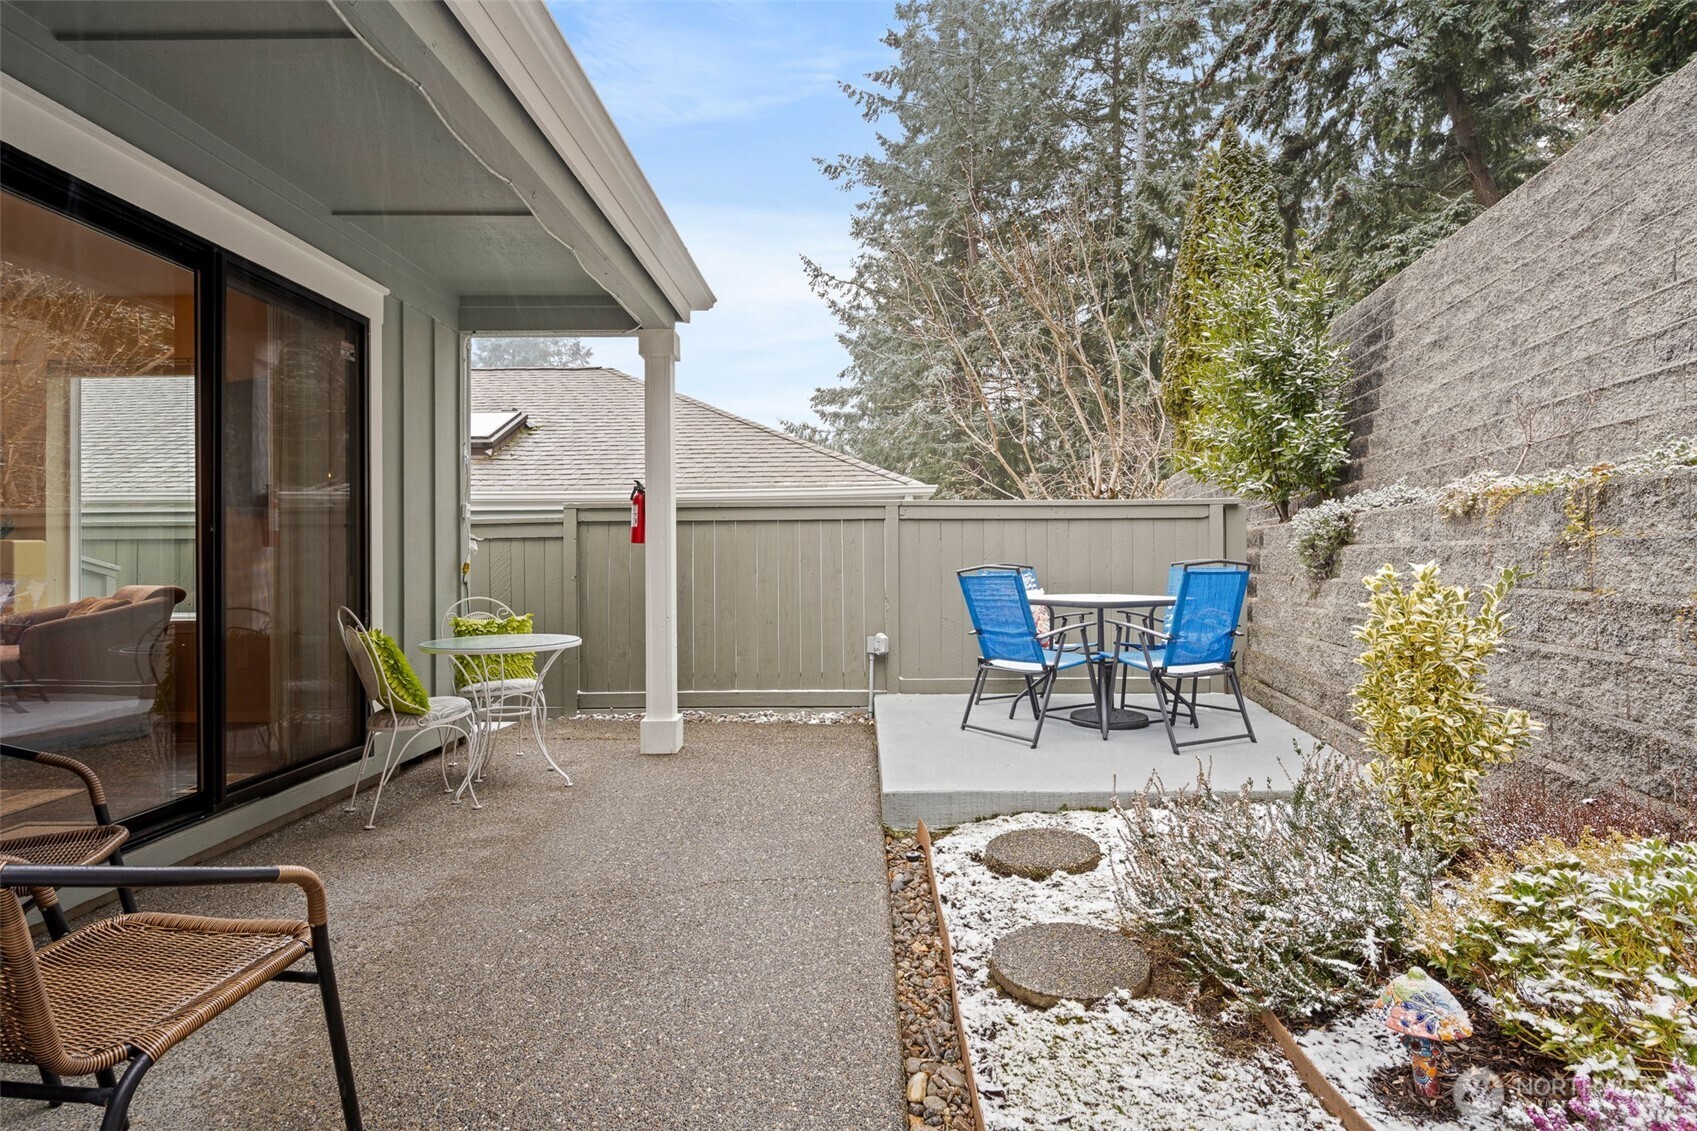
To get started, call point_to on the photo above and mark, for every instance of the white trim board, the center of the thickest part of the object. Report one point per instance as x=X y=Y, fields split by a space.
x=64 y=139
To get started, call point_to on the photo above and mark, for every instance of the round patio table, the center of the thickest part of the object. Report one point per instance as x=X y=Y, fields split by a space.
x=546 y=646
x=1104 y=716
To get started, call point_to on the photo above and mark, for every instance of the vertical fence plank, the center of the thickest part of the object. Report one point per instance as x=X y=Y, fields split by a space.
x=775 y=601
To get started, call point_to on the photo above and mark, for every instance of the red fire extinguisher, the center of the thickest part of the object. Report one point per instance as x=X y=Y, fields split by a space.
x=638 y=514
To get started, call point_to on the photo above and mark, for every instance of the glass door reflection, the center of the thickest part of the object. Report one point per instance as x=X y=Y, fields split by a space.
x=291 y=511
x=97 y=516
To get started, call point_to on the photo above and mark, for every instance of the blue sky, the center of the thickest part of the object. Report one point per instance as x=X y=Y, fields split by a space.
x=726 y=105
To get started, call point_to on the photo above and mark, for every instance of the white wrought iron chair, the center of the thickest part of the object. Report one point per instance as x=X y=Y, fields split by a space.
x=447 y=712
x=499 y=701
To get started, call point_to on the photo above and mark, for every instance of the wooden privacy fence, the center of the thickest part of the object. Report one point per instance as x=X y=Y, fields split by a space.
x=775 y=601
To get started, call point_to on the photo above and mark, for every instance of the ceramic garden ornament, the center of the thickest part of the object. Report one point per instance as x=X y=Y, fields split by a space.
x=1424 y=1014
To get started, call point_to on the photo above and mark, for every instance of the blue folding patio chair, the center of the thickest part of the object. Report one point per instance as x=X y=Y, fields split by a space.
x=1046 y=618
x=1008 y=641
x=1157 y=619
x=1198 y=640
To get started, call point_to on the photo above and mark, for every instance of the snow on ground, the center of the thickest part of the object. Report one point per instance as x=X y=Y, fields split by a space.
x=1351 y=1049
x=1127 y=1063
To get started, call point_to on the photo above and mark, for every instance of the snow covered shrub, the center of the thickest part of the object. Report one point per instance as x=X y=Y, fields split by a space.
x=1586 y=952
x=1421 y=700
x=1319 y=532
x=1670 y=1107
x=1488 y=491
x=1289 y=904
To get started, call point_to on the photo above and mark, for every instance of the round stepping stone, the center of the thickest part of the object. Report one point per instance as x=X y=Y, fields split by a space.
x=1038 y=854
x=1045 y=962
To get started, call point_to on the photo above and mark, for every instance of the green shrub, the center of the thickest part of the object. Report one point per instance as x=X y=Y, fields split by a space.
x=1432 y=729
x=1288 y=904
x=1266 y=381
x=1585 y=952
x=1234 y=189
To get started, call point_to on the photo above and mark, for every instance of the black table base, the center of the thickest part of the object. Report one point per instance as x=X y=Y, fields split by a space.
x=1119 y=718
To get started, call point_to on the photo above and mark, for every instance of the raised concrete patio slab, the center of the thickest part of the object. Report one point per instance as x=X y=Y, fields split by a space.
x=698 y=941
x=930 y=770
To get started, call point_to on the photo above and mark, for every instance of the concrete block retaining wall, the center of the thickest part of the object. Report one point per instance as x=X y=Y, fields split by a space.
x=1558 y=328
x=1604 y=642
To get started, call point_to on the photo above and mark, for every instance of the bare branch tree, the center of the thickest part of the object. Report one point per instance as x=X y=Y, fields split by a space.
x=1043 y=358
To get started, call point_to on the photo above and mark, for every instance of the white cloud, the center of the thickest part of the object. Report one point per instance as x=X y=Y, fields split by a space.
x=769 y=341
x=724 y=62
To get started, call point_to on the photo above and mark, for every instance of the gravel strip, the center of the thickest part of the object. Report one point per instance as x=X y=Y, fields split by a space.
x=936 y=1093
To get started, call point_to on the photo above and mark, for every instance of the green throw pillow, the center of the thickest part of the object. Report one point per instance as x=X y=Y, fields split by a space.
x=410 y=696
x=481 y=669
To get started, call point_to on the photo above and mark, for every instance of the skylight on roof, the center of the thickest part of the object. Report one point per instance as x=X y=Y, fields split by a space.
x=489 y=430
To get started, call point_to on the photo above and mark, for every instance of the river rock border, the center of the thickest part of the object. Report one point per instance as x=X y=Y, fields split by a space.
x=938 y=1087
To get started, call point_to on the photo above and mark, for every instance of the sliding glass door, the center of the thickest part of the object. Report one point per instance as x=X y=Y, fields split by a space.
x=291 y=507
x=182 y=510
x=98 y=519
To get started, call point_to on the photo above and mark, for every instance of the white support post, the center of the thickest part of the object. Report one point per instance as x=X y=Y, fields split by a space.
x=662 y=724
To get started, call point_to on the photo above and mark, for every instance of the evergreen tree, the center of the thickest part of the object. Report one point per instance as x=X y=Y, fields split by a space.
x=1391 y=122
x=1234 y=190
x=1603 y=55
x=1268 y=419
x=969 y=133
x=1023 y=130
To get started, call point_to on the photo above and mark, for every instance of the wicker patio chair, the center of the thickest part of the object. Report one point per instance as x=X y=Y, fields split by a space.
x=126 y=990
x=447 y=712
x=99 y=843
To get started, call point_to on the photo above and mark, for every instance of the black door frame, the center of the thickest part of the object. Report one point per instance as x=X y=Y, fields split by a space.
x=42 y=184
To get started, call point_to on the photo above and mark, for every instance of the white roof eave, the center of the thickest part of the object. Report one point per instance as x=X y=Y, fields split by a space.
x=524 y=45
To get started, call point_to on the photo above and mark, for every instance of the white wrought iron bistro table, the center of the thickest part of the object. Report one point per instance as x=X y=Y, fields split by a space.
x=487 y=696
x=1104 y=716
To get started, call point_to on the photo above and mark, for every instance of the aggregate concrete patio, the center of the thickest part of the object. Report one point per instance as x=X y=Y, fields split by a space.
x=933 y=771
x=693 y=941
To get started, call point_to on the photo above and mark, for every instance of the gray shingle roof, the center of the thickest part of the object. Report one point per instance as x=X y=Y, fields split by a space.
x=138 y=442
x=587 y=442
x=137 y=437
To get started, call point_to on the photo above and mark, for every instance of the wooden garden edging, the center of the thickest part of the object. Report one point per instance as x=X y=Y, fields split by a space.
x=923 y=835
x=1324 y=1090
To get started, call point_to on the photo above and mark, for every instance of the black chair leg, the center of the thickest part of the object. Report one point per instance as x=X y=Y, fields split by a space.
x=52 y=1080
x=1048 y=690
x=972 y=697
x=1167 y=714
x=338 y=1032
x=54 y=917
x=1105 y=700
x=117 y=1117
x=1243 y=708
x=1029 y=693
x=126 y=897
